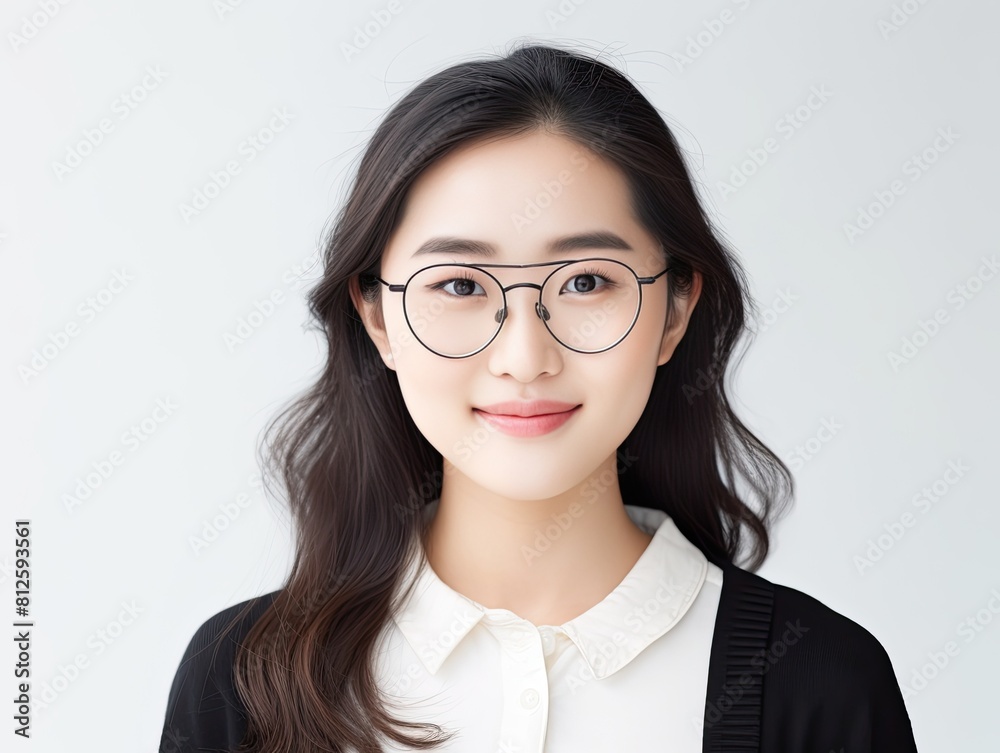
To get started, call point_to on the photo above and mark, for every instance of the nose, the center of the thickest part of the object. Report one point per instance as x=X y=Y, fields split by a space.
x=524 y=348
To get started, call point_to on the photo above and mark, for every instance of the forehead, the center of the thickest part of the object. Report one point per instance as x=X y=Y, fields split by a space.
x=516 y=194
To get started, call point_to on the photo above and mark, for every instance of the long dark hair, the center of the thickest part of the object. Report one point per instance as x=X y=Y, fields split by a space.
x=355 y=468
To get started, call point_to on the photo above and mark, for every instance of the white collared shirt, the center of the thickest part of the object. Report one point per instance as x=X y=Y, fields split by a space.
x=630 y=673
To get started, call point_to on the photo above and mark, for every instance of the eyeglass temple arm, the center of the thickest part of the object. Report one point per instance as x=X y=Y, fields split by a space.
x=392 y=288
x=650 y=280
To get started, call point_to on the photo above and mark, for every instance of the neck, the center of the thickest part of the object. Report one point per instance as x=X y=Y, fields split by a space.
x=545 y=560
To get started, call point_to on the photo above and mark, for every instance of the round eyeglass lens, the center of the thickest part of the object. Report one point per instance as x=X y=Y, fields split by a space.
x=453 y=310
x=591 y=304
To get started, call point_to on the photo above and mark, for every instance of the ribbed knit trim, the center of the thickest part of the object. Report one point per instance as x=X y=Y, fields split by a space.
x=735 y=682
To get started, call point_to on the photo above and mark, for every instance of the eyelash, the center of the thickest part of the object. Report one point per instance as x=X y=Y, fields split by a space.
x=596 y=273
x=590 y=271
x=461 y=276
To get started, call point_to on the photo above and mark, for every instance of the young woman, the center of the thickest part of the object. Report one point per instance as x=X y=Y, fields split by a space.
x=514 y=484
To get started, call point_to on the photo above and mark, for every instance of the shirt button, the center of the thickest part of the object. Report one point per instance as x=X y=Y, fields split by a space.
x=529 y=699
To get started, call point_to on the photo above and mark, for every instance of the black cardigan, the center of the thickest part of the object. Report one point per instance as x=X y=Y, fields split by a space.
x=787 y=674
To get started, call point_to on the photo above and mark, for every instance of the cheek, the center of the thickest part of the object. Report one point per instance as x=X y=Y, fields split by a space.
x=435 y=392
x=402 y=343
x=641 y=348
x=424 y=386
x=647 y=335
x=623 y=382
x=622 y=387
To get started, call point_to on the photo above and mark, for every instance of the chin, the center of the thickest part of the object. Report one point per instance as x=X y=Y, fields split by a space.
x=522 y=475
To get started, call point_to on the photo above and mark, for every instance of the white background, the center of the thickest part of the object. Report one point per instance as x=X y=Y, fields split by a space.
x=897 y=75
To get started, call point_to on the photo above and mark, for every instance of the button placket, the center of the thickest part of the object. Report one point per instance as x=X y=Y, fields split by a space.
x=548 y=641
x=525 y=682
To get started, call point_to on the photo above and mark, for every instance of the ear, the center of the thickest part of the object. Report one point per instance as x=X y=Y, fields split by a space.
x=371 y=316
x=683 y=308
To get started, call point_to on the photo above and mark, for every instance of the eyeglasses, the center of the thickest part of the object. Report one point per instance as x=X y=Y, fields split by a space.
x=587 y=305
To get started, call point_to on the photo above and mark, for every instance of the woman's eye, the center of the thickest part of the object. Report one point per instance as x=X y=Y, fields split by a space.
x=585 y=283
x=462 y=288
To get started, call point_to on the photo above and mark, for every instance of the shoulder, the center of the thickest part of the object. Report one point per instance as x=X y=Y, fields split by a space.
x=203 y=708
x=829 y=643
x=825 y=676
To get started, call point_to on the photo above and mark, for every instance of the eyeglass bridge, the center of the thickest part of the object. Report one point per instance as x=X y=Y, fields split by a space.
x=543 y=313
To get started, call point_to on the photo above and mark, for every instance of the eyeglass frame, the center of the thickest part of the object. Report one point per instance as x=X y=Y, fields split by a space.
x=401 y=288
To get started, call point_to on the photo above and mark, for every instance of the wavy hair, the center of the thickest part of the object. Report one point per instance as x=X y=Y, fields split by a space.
x=357 y=472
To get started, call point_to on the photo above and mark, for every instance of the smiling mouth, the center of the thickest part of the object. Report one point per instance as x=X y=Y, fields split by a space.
x=526 y=426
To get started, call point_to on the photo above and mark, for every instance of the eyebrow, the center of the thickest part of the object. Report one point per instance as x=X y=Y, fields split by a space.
x=453 y=245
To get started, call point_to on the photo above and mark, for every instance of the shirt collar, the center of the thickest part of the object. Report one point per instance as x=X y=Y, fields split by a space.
x=651 y=599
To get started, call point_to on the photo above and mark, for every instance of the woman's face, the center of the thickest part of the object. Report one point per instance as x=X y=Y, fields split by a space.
x=519 y=195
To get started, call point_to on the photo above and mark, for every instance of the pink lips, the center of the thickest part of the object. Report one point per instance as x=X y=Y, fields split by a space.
x=527 y=418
